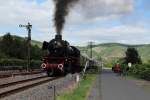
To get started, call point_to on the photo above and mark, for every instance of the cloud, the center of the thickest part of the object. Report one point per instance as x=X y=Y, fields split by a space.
x=15 y=12
x=113 y=31
x=124 y=34
x=98 y=10
x=83 y=23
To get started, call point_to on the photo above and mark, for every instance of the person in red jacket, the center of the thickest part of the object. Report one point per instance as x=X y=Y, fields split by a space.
x=117 y=68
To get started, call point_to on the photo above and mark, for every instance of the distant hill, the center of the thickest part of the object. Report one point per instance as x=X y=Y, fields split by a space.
x=110 y=51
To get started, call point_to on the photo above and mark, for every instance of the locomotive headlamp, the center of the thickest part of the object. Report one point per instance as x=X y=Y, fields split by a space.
x=43 y=65
x=57 y=44
x=60 y=66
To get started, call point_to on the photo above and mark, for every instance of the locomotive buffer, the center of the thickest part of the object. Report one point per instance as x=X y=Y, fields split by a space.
x=28 y=27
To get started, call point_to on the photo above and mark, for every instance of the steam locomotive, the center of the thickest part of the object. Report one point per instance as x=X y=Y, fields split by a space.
x=62 y=58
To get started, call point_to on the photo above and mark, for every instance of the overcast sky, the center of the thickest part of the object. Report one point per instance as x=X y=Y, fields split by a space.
x=101 y=21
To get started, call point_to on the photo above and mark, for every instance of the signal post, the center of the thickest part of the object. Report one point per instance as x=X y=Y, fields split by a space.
x=28 y=27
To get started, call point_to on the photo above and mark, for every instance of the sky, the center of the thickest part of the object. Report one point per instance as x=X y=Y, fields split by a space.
x=100 y=21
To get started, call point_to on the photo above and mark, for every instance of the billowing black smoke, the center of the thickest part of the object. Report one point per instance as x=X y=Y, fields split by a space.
x=61 y=11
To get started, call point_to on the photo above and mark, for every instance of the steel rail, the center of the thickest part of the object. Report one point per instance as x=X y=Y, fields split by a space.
x=21 y=81
x=22 y=88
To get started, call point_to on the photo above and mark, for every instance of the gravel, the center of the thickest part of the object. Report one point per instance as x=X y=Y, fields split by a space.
x=45 y=91
x=19 y=78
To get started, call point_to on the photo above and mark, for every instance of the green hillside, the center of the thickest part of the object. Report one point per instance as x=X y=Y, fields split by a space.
x=107 y=51
x=111 y=51
x=33 y=42
x=15 y=47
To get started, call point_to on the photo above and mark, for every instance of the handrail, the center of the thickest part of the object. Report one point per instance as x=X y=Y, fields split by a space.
x=85 y=67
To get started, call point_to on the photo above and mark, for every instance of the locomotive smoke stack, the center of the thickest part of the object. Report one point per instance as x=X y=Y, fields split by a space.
x=61 y=11
x=58 y=37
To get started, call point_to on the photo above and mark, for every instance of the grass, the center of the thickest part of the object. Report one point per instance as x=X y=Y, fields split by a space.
x=82 y=90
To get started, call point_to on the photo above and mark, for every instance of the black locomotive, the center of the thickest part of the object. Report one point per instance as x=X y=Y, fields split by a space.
x=62 y=58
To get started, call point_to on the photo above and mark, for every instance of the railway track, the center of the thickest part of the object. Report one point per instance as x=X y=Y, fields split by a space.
x=5 y=74
x=15 y=87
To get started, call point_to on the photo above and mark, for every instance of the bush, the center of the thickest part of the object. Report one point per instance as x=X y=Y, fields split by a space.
x=18 y=64
x=36 y=64
x=140 y=71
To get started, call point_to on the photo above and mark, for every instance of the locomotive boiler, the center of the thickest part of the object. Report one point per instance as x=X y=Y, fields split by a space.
x=62 y=58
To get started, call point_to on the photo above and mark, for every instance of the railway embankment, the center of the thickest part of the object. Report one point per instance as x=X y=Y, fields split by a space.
x=81 y=91
x=95 y=92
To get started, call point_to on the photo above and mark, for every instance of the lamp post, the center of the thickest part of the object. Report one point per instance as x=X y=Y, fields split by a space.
x=28 y=27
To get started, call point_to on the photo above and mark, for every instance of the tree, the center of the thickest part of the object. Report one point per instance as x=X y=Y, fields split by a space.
x=6 y=44
x=16 y=47
x=132 y=56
